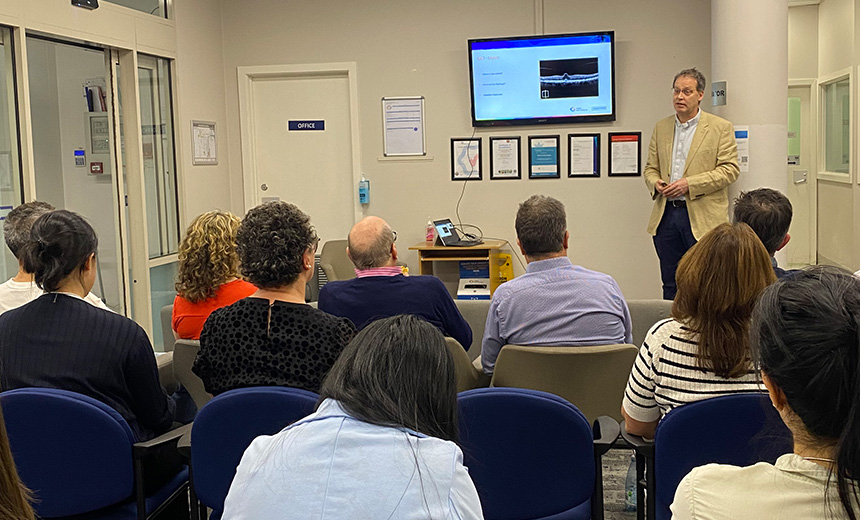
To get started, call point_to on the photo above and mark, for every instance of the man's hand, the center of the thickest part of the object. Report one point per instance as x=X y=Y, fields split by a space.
x=678 y=188
x=660 y=186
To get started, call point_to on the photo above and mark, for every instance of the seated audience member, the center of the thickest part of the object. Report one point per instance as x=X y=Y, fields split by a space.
x=272 y=338
x=208 y=276
x=380 y=289
x=21 y=288
x=804 y=338
x=381 y=444
x=768 y=213
x=14 y=497
x=60 y=341
x=703 y=349
x=555 y=303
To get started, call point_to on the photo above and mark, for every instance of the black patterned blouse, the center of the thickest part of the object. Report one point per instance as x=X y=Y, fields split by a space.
x=242 y=345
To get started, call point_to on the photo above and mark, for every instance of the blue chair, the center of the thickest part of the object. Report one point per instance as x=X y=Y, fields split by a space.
x=79 y=457
x=740 y=429
x=225 y=427
x=533 y=455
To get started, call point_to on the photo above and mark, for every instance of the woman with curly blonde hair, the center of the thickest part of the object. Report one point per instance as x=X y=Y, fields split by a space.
x=208 y=276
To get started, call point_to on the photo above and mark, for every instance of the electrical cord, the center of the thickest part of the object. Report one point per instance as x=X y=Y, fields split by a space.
x=465 y=181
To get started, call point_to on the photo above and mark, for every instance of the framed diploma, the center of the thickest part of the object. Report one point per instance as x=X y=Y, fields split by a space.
x=466 y=159
x=543 y=157
x=505 y=158
x=583 y=155
x=625 y=150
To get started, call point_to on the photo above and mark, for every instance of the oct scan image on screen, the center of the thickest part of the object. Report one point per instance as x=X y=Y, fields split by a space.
x=528 y=80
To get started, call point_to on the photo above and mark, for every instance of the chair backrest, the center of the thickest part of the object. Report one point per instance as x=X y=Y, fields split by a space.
x=592 y=378
x=468 y=377
x=167 y=327
x=72 y=451
x=475 y=314
x=644 y=314
x=529 y=453
x=225 y=427
x=184 y=353
x=739 y=429
x=334 y=262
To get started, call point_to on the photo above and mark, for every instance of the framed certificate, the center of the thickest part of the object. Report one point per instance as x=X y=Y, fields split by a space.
x=466 y=159
x=583 y=155
x=505 y=158
x=543 y=157
x=625 y=150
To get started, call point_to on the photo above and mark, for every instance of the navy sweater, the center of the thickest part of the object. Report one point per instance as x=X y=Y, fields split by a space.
x=59 y=341
x=363 y=300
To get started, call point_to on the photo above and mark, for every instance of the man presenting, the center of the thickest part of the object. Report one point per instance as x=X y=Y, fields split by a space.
x=692 y=159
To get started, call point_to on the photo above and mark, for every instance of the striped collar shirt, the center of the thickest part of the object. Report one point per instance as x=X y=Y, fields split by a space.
x=666 y=374
x=393 y=270
x=684 y=133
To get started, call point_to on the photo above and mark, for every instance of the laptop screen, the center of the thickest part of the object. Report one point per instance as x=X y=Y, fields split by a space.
x=446 y=230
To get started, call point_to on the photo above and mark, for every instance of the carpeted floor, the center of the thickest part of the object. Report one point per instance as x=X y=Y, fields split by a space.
x=615 y=464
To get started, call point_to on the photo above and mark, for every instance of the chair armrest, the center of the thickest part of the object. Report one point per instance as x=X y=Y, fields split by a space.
x=144 y=447
x=606 y=431
x=184 y=446
x=639 y=444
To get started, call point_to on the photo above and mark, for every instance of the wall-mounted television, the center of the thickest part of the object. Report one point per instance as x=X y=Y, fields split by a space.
x=527 y=80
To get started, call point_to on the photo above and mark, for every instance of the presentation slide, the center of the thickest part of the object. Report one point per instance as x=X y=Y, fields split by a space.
x=542 y=78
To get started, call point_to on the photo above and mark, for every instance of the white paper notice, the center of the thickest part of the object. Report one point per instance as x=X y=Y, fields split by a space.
x=403 y=119
x=742 y=137
x=625 y=154
x=582 y=155
x=506 y=158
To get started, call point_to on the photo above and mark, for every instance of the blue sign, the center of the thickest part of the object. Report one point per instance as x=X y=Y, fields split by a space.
x=307 y=125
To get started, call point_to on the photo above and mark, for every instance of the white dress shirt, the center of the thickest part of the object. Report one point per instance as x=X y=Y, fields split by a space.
x=791 y=488
x=330 y=465
x=684 y=133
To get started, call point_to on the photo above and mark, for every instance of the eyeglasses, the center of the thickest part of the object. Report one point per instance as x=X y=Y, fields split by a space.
x=687 y=91
x=316 y=244
x=395 y=235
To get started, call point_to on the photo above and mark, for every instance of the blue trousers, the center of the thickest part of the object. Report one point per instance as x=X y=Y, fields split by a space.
x=674 y=237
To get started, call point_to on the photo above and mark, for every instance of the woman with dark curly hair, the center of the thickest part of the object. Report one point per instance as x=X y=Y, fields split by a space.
x=272 y=338
x=208 y=276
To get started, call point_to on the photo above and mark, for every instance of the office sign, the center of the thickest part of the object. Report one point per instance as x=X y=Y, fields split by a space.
x=718 y=93
x=306 y=125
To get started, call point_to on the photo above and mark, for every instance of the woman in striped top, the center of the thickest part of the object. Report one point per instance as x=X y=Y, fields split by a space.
x=703 y=349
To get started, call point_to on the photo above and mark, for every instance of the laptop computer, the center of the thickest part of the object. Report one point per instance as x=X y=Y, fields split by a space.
x=448 y=235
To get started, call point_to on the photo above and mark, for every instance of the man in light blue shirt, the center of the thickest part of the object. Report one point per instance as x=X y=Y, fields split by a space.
x=555 y=303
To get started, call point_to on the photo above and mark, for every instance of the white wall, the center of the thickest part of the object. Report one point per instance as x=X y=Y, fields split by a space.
x=420 y=49
x=803 y=42
x=200 y=85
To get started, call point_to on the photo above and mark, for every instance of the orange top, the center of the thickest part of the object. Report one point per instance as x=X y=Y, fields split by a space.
x=188 y=318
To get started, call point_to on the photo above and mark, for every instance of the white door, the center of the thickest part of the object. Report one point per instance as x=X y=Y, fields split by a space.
x=800 y=250
x=313 y=168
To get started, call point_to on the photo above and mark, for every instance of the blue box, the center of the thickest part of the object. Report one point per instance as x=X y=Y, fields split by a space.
x=474 y=269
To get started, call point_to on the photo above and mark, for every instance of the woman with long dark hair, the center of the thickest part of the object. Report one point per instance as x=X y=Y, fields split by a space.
x=14 y=497
x=380 y=445
x=805 y=338
x=60 y=341
x=703 y=349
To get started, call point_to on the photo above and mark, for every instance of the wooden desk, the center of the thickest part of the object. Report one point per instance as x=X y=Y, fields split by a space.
x=428 y=253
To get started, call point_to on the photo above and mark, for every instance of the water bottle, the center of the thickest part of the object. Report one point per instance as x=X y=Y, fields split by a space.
x=430 y=231
x=630 y=486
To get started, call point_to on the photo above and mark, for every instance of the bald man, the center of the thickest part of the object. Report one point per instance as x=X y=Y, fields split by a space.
x=381 y=290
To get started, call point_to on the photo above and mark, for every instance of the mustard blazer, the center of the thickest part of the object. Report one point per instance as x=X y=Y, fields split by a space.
x=712 y=165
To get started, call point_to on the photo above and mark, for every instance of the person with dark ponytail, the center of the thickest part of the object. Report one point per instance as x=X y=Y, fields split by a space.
x=60 y=341
x=805 y=339
x=381 y=443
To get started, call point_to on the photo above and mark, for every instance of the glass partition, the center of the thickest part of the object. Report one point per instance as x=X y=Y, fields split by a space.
x=159 y=158
x=10 y=164
x=153 y=7
x=837 y=115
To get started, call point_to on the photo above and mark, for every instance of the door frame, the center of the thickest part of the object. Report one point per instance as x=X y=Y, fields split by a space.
x=247 y=75
x=811 y=85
